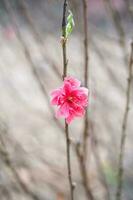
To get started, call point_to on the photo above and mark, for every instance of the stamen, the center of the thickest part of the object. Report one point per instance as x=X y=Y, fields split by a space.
x=70 y=98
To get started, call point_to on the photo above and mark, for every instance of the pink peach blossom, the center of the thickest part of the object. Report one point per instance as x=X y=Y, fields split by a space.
x=71 y=99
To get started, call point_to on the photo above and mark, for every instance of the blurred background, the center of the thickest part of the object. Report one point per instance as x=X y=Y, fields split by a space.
x=32 y=142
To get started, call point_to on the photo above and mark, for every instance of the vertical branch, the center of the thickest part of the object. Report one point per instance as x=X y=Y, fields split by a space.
x=129 y=8
x=28 y=57
x=83 y=173
x=69 y=161
x=86 y=53
x=6 y=158
x=86 y=71
x=94 y=144
x=23 y=6
x=86 y=59
x=124 y=128
x=36 y=34
x=82 y=156
x=118 y=25
x=64 y=40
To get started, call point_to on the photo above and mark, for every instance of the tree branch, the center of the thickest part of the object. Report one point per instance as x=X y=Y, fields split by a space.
x=28 y=57
x=83 y=156
x=118 y=26
x=64 y=40
x=6 y=158
x=86 y=71
x=124 y=129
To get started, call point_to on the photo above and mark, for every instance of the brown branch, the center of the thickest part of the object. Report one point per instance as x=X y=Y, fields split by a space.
x=86 y=71
x=37 y=35
x=102 y=58
x=129 y=8
x=28 y=57
x=118 y=25
x=6 y=158
x=24 y=9
x=64 y=40
x=72 y=186
x=86 y=45
x=95 y=150
x=83 y=172
x=124 y=129
x=83 y=156
x=65 y=62
x=103 y=34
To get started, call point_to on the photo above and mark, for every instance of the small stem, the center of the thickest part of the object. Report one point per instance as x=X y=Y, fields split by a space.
x=4 y=154
x=36 y=34
x=124 y=128
x=68 y=160
x=116 y=18
x=86 y=71
x=83 y=157
x=86 y=53
x=64 y=40
x=64 y=60
x=83 y=171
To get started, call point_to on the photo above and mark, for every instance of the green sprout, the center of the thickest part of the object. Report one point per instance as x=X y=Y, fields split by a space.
x=70 y=24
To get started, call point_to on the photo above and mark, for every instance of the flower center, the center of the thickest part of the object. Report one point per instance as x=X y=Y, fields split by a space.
x=70 y=98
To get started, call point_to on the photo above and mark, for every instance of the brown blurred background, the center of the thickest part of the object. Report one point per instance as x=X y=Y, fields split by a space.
x=32 y=142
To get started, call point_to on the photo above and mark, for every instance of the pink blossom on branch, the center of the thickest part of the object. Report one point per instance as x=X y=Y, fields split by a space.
x=71 y=99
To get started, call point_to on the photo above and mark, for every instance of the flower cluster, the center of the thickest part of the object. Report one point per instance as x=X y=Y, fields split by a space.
x=71 y=99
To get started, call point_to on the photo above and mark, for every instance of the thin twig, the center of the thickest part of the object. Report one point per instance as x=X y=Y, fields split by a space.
x=69 y=161
x=64 y=40
x=124 y=129
x=86 y=71
x=102 y=58
x=83 y=172
x=6 y=158
x=95 y=150
x=86 y=44
x=37 y=36
x=83 y=157
x=129 y=8
x=118 y=25
x=28 y=57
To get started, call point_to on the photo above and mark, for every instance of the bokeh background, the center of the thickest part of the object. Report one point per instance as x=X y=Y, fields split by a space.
x=32 y=142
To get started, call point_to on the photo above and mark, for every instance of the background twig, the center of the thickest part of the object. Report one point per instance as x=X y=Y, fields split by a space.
x=83 y=156
x=6 y=158
x=28 y=57
x=124 y=129
x=118 y=26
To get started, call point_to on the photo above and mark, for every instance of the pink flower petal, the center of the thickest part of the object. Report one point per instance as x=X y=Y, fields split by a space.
x=81 y=97
x=67 y=88
x=70 y=118
x=54 y=101
x=56 y=92
x=80 y=111
x=77 y=110
x=58 y=114
x=84 y=90
x=73 y=81
x=64 y=110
